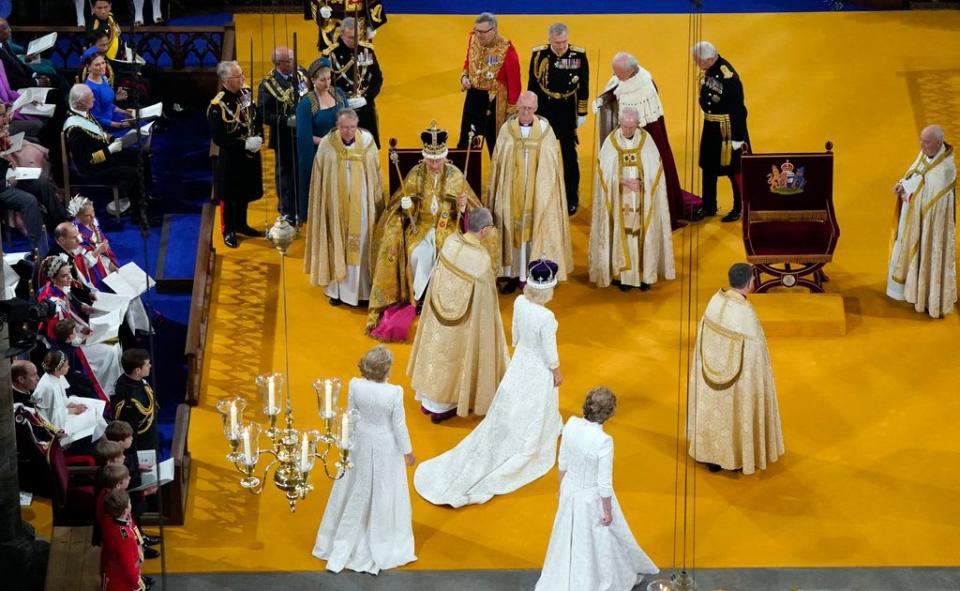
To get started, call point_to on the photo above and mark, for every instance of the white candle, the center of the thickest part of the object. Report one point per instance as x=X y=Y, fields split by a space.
x=327 y=397
x=247 y=446
x=305 y=453
x=271 y=395
x=345 y=431
x=234 y=420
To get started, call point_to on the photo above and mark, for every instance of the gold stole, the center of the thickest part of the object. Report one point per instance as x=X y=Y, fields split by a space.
x=910 y=245
x=351 y=201
x=630 y=158
x=522 y=193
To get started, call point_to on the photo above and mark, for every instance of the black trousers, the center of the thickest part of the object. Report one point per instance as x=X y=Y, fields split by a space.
x=285 y=173
x=481 y=112
x=709 y=193
x=234 y=214
x=571 y=170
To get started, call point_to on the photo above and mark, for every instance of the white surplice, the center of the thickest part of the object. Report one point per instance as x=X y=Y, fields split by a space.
x=516 y=442
x=583 y=554
x=368 y=523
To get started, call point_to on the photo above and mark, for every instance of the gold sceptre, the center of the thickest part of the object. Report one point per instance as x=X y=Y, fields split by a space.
x=466 y=166
x=395 y=160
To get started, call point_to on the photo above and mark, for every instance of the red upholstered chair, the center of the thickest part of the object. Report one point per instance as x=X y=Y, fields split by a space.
x=73 y=480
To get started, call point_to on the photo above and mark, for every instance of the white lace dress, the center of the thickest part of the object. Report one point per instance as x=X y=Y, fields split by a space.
x=368 y=524
x=584 y=555
x=516 y=442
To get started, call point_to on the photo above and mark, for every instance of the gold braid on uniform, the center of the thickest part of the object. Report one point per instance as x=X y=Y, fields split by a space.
x=147 y=411
x=282 y=95
x=542 y=73
x=233 y=120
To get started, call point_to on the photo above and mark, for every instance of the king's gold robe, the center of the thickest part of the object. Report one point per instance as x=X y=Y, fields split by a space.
x=528 y=198
x=923 y=260
x=398 y=233
x=630 y=230
x=346 y=196
x=733 y=419
x=460 y=352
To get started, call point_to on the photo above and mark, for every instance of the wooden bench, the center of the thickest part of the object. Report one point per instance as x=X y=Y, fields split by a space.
x=74 y=564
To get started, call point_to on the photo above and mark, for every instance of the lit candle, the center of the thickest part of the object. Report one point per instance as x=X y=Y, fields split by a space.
x=271 y=395
x=327 y=396
x=345 y=431
x=247 y=446
x=305 y=453
x=234 y=420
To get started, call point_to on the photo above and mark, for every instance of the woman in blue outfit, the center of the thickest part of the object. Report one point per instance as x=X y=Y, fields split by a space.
x=114 y=120
x=316 y=115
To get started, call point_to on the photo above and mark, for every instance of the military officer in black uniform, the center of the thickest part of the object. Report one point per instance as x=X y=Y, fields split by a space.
x=355 y=70
x=237 y=131
x=560 y=77
x=133 y=400
x=328 y=14
x=278 y=96
x=724 y=127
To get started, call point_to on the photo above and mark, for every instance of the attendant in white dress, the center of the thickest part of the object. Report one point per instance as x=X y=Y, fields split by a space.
x=516 y=442
x=69 y=414
x=591 y=547
x=368 y=524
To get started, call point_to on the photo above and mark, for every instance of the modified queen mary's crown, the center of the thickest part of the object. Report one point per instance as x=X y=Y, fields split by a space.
x=542 y=274
x=434 y=142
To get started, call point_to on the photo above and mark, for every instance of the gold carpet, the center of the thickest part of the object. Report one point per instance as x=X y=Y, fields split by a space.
x=869 y=477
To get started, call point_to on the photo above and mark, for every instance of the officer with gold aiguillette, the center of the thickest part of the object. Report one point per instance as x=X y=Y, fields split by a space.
x=724 y=128
x=560 y=77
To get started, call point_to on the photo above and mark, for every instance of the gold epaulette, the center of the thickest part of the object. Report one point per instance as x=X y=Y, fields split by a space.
x=541 y=47
x=216 y=100
x=98 y=157
x=578 y=48
x=326 y=52
x=366 y=44
x=727 y=72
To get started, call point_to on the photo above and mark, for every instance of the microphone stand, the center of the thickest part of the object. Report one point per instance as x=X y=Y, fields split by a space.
x=144 y=223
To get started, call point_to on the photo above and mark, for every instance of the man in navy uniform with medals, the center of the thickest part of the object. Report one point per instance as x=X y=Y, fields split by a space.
x=724 y=128
x=329 y=15
x=278 y=95
x=560 y=76
x=356 y=71
x=237 y=131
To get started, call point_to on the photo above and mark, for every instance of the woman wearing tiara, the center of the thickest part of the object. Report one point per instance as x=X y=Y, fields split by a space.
x=516 y=442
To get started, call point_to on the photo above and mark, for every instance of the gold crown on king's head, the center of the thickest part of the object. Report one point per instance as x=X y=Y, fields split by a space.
x=434 y=142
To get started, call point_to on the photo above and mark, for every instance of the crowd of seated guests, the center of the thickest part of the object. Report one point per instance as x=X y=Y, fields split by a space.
x=78 y=388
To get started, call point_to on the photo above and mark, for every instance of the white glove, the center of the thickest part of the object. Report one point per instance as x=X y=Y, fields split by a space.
x=406 y=202
x=597 y=103
x=252 y=144
x=581 y=119
x=115 y=146
x=736 y=145
x=357 y=102
x=371 y=33
x=325 y=11
x=292 y=121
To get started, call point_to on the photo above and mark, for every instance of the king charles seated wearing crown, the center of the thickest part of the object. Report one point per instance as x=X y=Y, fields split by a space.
x=430 y=205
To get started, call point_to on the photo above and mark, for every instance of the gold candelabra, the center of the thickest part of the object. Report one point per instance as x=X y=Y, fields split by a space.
x=294 y=452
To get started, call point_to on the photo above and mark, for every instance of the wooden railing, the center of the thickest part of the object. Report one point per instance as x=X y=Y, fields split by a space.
x=200 y=304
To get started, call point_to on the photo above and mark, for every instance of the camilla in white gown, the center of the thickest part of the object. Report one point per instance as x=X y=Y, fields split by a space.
x=368 y=524
x=516 y=442
x=591 y=547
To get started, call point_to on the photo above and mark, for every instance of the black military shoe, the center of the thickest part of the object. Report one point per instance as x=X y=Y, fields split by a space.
x=571 y=210
x=230 y=239
x=248 y=231
x=703 y=212
x=151 y=540
x=733 y=216
x=150 y=553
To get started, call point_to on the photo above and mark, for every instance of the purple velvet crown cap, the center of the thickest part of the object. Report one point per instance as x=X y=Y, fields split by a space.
x=542 y=274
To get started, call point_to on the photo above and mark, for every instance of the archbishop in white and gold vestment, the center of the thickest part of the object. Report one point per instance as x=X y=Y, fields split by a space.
x=923 y=260
x=460 y=352
x=733 y=418
x=346 y=196
x=527 y=196
x=630 y=229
